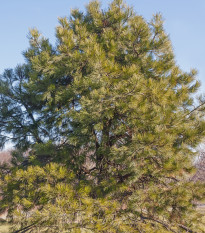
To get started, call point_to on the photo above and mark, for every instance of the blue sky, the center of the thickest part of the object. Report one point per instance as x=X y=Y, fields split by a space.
x=184 y=22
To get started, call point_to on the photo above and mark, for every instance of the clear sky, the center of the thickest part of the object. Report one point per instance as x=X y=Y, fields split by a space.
x=184 y=22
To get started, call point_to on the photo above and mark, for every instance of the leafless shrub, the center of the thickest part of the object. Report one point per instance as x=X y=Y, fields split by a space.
x=5 y=157
x=200 y=166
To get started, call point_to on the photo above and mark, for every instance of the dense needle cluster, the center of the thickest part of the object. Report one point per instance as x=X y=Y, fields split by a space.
x=107 y=120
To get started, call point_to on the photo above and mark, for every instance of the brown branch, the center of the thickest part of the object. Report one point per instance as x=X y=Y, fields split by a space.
x=26 y=228
x=186 y=228
x=195 y=109
x=158 y=221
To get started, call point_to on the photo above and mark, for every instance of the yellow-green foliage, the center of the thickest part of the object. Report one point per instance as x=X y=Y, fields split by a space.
x=109 y=125
x=52 y=198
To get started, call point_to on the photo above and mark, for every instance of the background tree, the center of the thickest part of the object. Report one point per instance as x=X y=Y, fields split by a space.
x=109 y=104
x=200 y=166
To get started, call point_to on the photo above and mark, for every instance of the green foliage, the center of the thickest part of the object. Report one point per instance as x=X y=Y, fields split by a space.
x=53 y=200
x=108 y=104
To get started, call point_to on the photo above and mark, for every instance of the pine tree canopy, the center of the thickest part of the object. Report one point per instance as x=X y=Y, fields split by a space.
x=104 y=125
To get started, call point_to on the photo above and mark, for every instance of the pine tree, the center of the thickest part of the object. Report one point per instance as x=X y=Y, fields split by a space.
x=109 y=104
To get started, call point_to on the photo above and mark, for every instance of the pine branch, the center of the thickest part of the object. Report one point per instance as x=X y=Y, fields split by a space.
x=27 y=228
x=158 y=221
x=186 y=228
x=199 y=106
